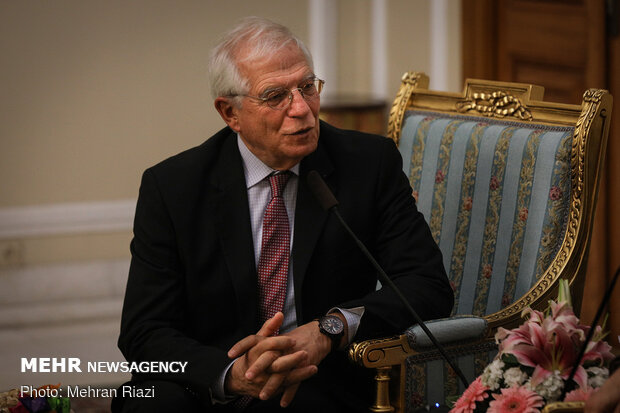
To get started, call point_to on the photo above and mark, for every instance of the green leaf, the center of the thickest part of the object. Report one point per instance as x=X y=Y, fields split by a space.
x=564 y=292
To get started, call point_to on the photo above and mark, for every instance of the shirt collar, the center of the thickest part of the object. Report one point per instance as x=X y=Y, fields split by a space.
x=255 y=170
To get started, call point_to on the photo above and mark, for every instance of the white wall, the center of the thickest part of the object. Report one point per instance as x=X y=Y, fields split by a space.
x=94 y=92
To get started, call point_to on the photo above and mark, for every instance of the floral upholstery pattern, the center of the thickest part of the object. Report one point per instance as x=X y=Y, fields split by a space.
x=496 y=195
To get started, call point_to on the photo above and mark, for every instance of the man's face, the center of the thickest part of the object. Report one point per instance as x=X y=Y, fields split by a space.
x=279 y=138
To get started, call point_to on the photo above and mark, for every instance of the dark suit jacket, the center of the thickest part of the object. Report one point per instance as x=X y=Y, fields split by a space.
x=192 y=288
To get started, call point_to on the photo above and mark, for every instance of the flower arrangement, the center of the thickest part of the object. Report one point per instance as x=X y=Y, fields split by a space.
x=535 y=360
x=15 y=402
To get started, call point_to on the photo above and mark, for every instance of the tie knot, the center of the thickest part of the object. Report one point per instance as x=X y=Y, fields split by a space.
x=278 y=183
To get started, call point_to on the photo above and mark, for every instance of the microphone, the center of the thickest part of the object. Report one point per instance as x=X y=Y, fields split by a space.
x=328 y=202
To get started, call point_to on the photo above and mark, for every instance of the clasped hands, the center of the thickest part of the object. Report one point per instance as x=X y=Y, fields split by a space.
x=268 y=365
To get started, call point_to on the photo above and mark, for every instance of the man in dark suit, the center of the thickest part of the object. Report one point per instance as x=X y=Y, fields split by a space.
x=204 y=273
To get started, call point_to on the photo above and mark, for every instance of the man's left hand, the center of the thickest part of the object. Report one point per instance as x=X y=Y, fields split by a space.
x=309 y=338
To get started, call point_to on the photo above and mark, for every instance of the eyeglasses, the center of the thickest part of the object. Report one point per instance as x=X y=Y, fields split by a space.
x=281 y=98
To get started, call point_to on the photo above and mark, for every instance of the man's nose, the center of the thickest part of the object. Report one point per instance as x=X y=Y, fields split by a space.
x=299 y=105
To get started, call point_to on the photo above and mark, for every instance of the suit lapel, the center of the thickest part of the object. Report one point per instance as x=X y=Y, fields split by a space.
x=233 y=223
x=309 y=220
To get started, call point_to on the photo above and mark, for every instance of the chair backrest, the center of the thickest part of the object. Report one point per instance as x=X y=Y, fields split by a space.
x=508 y=184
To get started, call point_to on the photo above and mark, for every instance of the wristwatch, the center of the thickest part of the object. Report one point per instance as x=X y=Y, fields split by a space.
x=333 y=327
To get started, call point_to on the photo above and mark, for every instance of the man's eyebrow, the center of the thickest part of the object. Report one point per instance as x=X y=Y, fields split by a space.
x=274 y=88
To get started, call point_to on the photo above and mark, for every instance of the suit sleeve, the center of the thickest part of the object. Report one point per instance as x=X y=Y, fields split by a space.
x=153 y=312
x=404 y=247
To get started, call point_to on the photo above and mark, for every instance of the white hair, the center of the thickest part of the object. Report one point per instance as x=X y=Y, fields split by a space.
x=258 y=37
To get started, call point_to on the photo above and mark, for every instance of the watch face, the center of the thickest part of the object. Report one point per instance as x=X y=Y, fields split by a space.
x=332 y=324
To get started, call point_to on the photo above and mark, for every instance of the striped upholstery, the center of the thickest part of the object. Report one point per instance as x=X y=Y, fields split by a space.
x=476 y=178
x=496 y=196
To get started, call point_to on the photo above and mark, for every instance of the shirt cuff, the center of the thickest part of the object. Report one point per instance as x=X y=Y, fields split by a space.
x=218 y=393
x=353 y=317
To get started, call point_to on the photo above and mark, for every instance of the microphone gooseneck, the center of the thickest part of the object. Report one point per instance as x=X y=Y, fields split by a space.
x=329 y=203
x=321 y=191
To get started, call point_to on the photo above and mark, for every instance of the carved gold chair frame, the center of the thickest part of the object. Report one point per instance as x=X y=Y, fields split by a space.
x=513 y=102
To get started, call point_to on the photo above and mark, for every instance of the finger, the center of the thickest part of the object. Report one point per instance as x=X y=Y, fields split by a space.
x=277 y=343
x=272 y=386
x=242 y=346
x=288 y=395
x=300 y=374
x=273 y=362
x=272 y=325
x=261 y=361
x=236 y=383
x=261 y=364
x=262 y=355
x=268 y=329
x=260 y=344
x=289 y=361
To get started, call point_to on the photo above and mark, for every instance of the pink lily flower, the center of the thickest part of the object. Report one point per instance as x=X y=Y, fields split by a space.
x=552 y=343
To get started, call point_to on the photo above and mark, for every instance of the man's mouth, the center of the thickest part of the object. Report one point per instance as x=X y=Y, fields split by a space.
x=302 y=131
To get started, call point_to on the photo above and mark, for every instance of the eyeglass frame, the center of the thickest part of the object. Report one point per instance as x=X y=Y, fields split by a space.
x=318 y=83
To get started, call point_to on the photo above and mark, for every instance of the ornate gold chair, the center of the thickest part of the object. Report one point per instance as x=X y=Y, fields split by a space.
x=508 y=184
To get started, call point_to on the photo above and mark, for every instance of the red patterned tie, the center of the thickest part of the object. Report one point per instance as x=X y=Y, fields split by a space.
x=273 y=260
x=275 y=251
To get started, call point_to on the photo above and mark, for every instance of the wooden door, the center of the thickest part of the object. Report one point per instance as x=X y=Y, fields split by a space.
x=559 y=44
x=567 y=46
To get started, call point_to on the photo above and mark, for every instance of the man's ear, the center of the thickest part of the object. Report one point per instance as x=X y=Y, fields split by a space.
x=228 y=111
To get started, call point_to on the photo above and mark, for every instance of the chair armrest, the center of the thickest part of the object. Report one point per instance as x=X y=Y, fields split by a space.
x=459 y=335
x=452 y=332
x=564 y=407
x=380 y=352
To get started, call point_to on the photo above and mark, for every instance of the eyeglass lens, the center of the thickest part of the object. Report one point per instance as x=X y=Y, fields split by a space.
x=282 y=98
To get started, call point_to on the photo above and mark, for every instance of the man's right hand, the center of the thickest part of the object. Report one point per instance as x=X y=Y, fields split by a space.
x=263 y=368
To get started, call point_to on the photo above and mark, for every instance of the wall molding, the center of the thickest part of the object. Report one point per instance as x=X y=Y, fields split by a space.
x=323 y=35
x=379 y=49
x=439 y=37
x=67 y=218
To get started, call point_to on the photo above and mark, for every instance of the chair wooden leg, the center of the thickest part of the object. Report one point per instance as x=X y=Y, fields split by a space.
x=382 y=399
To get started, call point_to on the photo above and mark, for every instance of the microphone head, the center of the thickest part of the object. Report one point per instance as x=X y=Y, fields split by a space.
x=321 y=191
